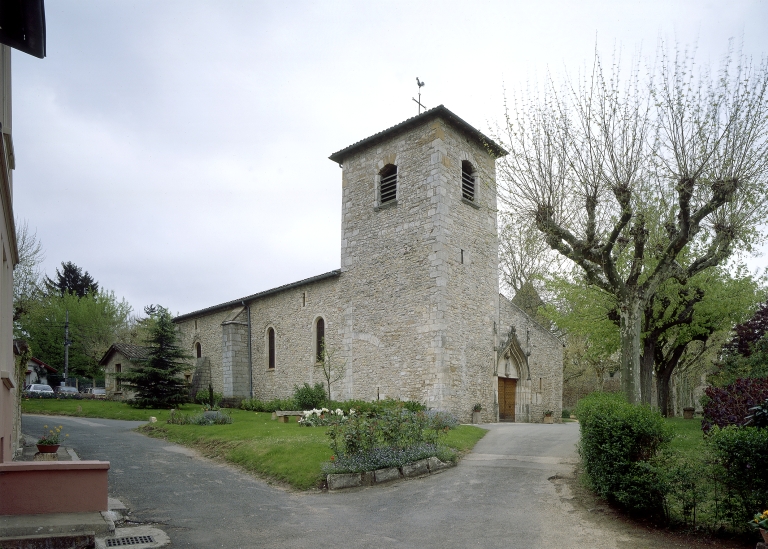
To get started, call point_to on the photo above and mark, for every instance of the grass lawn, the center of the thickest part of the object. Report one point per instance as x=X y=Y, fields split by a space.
x=687 y=436
x=285 y=452
x=106 y=409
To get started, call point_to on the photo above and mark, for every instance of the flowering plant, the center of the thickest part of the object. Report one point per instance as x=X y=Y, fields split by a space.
x=51 y=437
x=323 y=416
x=760 y=520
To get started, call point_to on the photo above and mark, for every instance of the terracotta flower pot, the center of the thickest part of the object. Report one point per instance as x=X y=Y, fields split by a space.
x=48 y=448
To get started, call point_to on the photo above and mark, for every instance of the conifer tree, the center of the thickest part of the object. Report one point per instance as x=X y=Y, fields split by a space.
x=157 y=378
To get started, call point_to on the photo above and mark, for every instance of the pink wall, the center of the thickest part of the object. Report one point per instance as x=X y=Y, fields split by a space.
x=31 y=488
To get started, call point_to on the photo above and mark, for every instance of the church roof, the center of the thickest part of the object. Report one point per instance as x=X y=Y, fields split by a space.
x=438 y=112
x=252 y=297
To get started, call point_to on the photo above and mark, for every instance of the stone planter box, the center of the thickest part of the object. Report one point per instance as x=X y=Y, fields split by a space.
x=548 y=419
x=412 y=470
x=476 y=418
x=688 y=412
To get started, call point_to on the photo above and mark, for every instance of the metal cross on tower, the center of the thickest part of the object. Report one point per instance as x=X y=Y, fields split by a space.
x=421 y=84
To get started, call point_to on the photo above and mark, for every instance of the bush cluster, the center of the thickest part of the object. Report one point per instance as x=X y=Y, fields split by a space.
x=203 y=396
x=256 y=405
x=739 y=463
x=382 y=458
x=307 y=397
x=620 y=447
x=363 y=407
x=392 y=437
x=55 y=396
x=730 y=405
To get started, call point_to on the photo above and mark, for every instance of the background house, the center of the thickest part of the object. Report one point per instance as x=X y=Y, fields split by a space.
x=120 y=357
x=37 y=372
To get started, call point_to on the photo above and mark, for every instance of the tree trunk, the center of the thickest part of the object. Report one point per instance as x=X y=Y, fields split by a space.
x=631 y=323
x=662 y=390
x=646 y=370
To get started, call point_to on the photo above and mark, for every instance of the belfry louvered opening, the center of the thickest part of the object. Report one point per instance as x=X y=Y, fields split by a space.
x=388 y=184
x=467 y=181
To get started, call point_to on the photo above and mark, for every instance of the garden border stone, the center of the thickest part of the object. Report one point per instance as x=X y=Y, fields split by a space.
x=344 y=480
x=436 y=465
x=416 y=469
x=419 y=468
x=386 y=475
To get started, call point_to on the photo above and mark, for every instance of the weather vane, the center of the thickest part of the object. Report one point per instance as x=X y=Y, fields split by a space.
x=421 y=84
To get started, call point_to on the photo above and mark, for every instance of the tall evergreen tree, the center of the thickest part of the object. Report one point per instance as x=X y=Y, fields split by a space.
x=71 y=279
x=157 y=378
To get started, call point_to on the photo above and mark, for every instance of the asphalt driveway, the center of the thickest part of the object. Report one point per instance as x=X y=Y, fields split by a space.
x=507 y=493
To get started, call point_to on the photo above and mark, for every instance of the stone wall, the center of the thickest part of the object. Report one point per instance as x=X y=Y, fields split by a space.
x=293 y=314
x=545 y=362
x=110 y=383
x=206 y=330
x=419 y=279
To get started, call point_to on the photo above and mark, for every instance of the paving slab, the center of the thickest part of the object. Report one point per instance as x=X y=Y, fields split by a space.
x=53 y=523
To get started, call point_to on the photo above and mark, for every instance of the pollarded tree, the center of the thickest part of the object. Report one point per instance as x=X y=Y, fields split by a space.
x=621 y=176
x=157 y=379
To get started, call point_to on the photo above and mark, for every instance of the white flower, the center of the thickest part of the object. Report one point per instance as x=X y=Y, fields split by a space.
x=325 y=410
x=339 y=412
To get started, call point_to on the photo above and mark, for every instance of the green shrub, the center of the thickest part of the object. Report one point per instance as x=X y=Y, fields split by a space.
x=307 y=397
x=566 y=414
x=619 y=447
x=392 y=428
x=203 y=396
x=256 y=405
x=739 y=457
x=688 y=488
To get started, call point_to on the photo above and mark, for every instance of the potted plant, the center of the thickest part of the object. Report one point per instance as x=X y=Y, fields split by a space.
x=50 y=441
x=476 y=409
x=761 y=523
x=548 y=416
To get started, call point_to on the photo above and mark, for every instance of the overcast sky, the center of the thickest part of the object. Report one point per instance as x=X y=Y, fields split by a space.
x=178 y=151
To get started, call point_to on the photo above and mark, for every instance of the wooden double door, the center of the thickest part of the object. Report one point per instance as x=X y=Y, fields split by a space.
x=507 y=390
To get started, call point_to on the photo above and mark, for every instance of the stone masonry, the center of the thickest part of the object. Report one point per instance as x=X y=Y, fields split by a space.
x=414 y=312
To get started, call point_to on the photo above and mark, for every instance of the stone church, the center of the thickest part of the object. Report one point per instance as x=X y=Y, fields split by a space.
x=414 y=312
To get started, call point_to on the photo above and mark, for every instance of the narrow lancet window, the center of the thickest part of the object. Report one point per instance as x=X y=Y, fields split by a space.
x=319 y=340
x=388 y=184
x=467 y=181
x=271 y=346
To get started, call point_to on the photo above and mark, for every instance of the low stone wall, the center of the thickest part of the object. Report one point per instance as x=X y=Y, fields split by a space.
x=412 y=470
x=31 y=488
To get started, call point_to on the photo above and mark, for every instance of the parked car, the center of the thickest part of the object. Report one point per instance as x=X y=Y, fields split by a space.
x=64 y=390
x=37 y=388
x=96 y=392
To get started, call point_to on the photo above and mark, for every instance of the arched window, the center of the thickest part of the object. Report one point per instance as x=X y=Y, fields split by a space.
x=319 y=339
x=271 y=348
x=387 y=184
x=467 y=181
x=198 y=350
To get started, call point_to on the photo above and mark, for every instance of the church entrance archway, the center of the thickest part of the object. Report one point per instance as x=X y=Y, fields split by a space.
x=507 y=391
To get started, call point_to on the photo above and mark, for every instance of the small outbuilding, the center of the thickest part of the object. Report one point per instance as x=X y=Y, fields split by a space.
x=120 y=357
